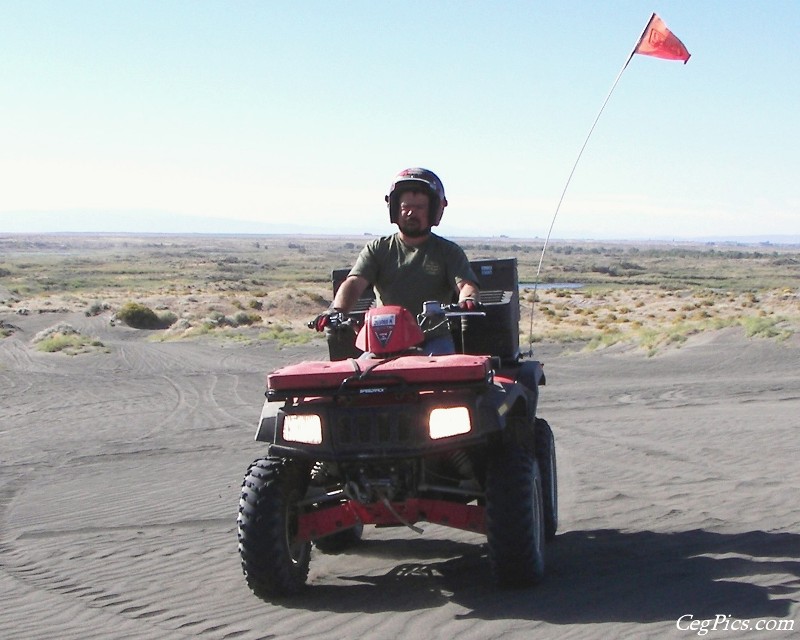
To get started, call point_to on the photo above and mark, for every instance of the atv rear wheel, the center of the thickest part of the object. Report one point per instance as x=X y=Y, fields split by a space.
x=546 y=456
x=514 y=517
x=274 y=562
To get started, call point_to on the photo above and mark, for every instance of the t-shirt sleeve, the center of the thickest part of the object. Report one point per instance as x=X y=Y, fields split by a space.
x=366 y=264
x=461 y=267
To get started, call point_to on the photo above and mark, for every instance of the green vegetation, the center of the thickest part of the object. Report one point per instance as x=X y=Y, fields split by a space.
x=69 y=344
x=767 y=327
x=140 y=316
x=287 y=336
x=65 y=339
x=244 y=318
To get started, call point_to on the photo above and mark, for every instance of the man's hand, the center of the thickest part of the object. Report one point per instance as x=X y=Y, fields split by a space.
x=468 y=304
x=330 y=318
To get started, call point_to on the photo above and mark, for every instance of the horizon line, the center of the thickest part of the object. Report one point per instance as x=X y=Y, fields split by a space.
x=770 y=239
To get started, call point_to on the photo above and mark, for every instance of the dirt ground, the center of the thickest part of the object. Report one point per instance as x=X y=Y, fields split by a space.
x=120 y=472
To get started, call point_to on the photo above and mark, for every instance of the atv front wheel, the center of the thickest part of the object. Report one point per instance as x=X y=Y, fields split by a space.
x=514 y=517
x=546 y=456
x=274 y=562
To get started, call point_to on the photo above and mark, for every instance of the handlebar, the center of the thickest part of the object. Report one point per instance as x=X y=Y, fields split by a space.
x=455 y=311
x=336 y=321
x=431 y=311
x=449 y=311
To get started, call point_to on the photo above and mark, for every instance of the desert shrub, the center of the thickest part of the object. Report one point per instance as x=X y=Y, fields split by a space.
x=605 y=339
x=765 y=328
x=167 y=318
x=315 y=297
x=65 y=338
x=70 y=344
x=140 y=316
x=246 y=318
x=96 y=308
x=255 y=304
x=217 y=319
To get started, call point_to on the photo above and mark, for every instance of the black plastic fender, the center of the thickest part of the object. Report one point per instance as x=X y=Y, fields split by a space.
x=531 y=374
x=509 y=399
x=267 y=423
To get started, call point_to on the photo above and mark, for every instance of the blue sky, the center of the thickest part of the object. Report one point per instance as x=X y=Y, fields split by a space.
x=171 y=116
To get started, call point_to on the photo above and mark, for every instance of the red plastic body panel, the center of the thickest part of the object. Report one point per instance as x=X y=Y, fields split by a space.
x=318 y=524
x=503 y=378
x=315 y=375
x=389 y=329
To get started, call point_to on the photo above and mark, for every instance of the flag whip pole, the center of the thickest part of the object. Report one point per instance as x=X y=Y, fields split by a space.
x=569 y=179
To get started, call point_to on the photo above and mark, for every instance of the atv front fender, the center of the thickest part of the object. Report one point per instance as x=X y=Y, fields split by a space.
x=267 y=423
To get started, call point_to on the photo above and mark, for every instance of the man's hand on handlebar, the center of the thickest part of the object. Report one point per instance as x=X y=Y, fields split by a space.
x=469 y=304
x=466 y=307
x=330 y=318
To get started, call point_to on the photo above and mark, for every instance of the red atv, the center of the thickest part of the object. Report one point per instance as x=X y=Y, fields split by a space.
x=385 y=435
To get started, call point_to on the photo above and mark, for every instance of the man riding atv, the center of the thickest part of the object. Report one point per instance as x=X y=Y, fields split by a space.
x=414 y=265
x=417 y=430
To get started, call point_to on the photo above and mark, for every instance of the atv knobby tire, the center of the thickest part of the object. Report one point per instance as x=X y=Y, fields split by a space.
x=514 y=517
x=274 y=563
x=546 y=456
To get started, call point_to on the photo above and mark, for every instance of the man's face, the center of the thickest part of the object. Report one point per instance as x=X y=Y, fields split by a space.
x=414 y=216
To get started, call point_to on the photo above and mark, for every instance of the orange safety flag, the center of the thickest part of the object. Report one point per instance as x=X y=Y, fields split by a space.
x=658 y=41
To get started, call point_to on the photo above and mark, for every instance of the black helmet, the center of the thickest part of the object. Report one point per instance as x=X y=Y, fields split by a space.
x=421 y=179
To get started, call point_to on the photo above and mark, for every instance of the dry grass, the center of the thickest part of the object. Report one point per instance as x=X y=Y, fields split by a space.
x=654 y=318
x=650 y=295
x=63 y=338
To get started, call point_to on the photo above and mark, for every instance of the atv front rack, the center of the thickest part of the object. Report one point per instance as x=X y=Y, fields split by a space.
x=359 y=377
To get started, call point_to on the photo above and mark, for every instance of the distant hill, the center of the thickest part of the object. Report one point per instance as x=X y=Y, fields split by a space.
x=78 y=221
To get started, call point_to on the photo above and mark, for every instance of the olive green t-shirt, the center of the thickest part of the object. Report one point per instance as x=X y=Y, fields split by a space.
x=408 y=276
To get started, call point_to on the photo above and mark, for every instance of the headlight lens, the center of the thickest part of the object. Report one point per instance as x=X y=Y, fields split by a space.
x=305 y=428
x=449 y=421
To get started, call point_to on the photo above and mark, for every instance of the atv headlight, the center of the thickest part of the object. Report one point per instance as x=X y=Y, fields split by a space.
x=306 y=428
x=449 y=421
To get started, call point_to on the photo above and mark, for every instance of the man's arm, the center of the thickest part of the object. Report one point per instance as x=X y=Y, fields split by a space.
x=349 y=292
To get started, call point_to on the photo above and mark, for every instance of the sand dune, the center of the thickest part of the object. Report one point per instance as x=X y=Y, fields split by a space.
x=120 y=475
